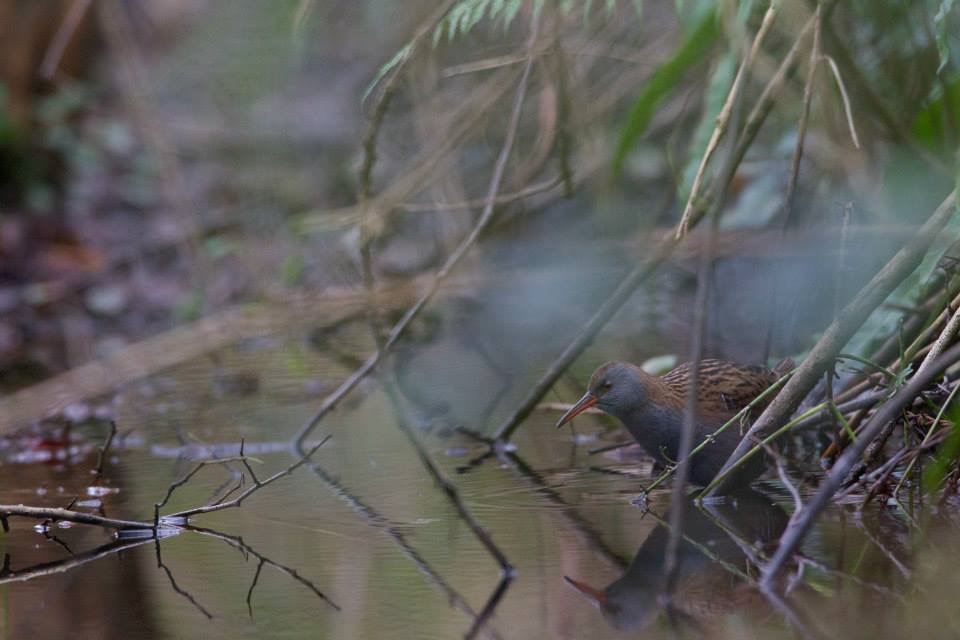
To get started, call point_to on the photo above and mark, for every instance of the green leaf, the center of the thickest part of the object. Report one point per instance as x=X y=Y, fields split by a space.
x=946 y=455
x=927 y=128
x=940 y=22
x=693 y=49
x=720 y=82
x=398 y=59
x=292 y=269
x=511 y=12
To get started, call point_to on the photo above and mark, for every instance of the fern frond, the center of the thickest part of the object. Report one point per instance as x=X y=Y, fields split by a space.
x=398 y=59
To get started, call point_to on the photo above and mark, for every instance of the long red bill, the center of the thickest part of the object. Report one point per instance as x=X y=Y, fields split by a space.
x=595 y=596
x=588 y=400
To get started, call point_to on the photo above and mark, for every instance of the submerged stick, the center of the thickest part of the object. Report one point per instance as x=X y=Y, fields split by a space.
x=67 y=515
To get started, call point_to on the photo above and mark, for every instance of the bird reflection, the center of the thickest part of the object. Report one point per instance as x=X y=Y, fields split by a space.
x=715 y=558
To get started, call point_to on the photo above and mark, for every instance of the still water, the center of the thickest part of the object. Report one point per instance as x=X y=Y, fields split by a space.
x=364 y=544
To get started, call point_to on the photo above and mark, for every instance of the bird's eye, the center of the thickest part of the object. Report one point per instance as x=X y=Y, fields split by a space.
x=607 y=384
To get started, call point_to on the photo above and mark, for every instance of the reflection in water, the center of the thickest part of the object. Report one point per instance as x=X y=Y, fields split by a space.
x=713 y=566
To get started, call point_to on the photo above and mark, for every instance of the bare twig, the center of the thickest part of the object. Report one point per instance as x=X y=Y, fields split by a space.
x=71 y=21
x=678 y=498
x=564 y=137
x=485 y=614
x=865 y=88
x=66 y=515
x=185 y=479
x=506 y=198
x=235 y=502
x=104 y=448
x=846 y=99
x=942 y=341
x=368 y=227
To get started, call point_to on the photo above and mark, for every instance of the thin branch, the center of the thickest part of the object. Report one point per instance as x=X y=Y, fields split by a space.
x=104 y=448
x=564 y=145
x=66 y=515
x=185 y=479
x=487 y=612
x=71 y=21
x=236 y=502
x=506 y=198
x=944 y=339
x=678 y=498
x=253 y=585
x=846 y=99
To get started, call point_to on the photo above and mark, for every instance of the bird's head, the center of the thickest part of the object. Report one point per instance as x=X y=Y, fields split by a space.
x=615 y=388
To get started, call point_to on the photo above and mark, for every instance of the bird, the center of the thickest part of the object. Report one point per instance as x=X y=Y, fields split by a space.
x=651 y=408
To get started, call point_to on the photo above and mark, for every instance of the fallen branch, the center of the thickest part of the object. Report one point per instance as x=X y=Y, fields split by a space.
x=188 y=342
x=236 y=502
x=55 y=514
x=797 y=531
x=850 y=319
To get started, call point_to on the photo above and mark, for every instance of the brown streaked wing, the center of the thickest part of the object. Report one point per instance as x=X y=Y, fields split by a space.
x=725 y=387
